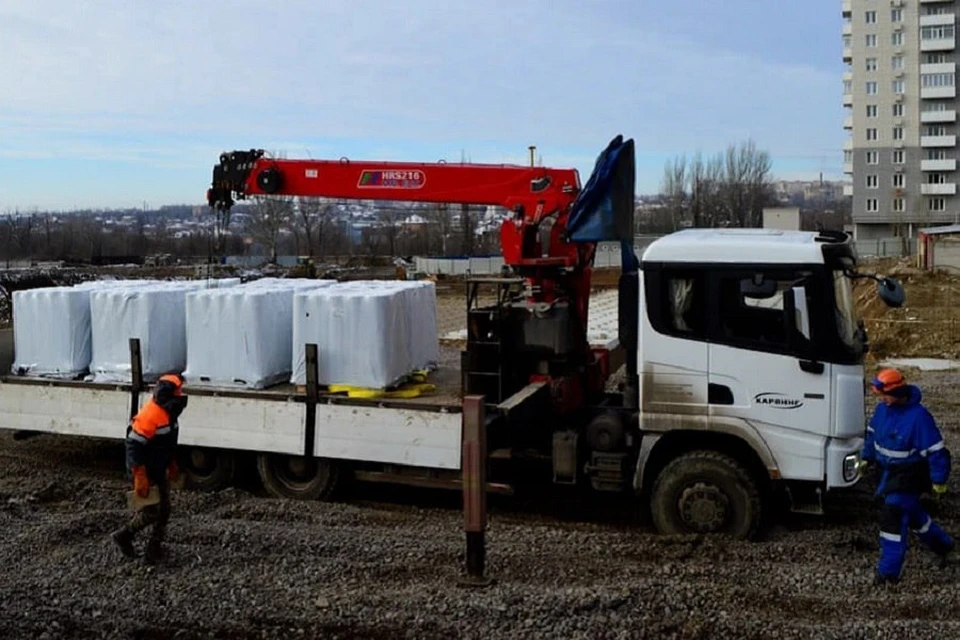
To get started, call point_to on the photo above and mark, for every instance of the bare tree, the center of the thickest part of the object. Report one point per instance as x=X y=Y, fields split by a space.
x=673 y=188
x=312 y=219
x=268 y=217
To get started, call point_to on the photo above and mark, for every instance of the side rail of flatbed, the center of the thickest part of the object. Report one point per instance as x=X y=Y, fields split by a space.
x=285 y=423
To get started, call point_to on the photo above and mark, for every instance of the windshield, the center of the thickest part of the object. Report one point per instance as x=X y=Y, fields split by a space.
x=846 y=312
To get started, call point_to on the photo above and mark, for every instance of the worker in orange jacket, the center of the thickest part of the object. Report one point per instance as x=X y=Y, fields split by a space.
x=150 y=447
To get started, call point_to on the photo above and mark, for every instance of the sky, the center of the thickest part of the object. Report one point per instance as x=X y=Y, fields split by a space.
x=112 y=103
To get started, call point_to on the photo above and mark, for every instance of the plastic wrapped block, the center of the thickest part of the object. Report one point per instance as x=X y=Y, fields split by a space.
x=361 y=333
x=51 y=332
x=420 y=302
x=288 y=283
x=240 y=336
x=154 y=313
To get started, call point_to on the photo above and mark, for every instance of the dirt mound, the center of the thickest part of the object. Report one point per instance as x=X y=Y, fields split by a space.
x=928 y=325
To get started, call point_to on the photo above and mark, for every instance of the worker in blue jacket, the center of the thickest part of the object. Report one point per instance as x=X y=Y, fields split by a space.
x=905 y=444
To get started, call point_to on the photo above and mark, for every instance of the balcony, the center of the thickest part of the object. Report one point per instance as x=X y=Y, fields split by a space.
x=939 y=67
x=939 y=165
x=848 y=189
x=934 y=93
x=945 y=189
x=848 y=99
x=938 y=20
x=848 y=123
x=934 y=1
x=848 y=144
x=848 y=168
x=938 y=116
x=846 y=8
x=938 y=141
x=940 y=44
x=847 y=29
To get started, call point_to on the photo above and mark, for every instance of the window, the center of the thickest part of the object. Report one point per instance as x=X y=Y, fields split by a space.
x=939 y=32
x=898 y=110
x=935 y=130
x=847 y=156
x=870 y=17
x=896 y=15
x=756 y=308
x=898 y=133
x=936 y=11
x=897 y=181
x=897 y=156
x=898 y=86
x=898 y=205
x=927 y=106
x=873 y=157
x=897 y=39
x=935 y=58
x=937 y=79
x=872 y=182
x=872 y=206
x=871 y=134
x=871 y=111
x=896 y=62
x=871 y=64
x=871 y=40
x=936 y=154
x=936 y=204
x=936 y=178
x=680 y=302
x=871 y=88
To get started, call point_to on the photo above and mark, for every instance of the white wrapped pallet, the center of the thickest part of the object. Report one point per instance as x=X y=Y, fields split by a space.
x=153 y=313
x=420 y=302
x=240 y=336
x=288 y=283
x=51 y=332
x=361 y=333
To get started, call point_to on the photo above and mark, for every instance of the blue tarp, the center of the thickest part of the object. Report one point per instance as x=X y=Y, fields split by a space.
x=603 y=211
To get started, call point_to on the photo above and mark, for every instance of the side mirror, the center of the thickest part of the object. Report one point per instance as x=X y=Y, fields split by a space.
x=891 y=291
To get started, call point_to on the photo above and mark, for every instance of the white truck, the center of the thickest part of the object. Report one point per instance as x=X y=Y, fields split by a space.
x=744 y=361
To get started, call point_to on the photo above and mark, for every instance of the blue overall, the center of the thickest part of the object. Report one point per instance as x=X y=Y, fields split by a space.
x=906 y=445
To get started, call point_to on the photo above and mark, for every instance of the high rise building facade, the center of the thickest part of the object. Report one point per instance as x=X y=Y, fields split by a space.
x=900 y=97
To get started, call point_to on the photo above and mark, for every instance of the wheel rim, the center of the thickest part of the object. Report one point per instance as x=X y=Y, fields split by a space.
x=202 y=464
x=704 y=508
x=297 y=472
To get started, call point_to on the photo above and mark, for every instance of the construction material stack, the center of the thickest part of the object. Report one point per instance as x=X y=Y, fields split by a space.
x=242 y=337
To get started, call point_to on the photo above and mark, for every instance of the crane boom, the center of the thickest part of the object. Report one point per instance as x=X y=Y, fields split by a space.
x=548 y=241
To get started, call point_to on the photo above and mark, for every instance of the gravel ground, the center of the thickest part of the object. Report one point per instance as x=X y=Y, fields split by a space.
x=386 y=563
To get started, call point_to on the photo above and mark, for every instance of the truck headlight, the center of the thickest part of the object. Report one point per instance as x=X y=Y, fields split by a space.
x=851 y=467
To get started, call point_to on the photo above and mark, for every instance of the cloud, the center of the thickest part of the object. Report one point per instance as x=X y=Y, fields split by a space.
x=130 y=82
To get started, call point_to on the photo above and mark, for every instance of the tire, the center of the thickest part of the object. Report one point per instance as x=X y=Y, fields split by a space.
x=298 y=477
x=706 y=492
x=206 y=469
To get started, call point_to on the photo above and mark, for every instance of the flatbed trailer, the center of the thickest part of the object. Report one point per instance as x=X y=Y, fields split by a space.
x=302 y=445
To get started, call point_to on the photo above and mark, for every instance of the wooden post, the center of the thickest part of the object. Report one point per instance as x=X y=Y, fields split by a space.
x=474 y=466
x=136 y=376
x=313 y=394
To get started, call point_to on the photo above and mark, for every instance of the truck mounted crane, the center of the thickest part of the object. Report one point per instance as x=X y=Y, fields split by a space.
x=743 y=353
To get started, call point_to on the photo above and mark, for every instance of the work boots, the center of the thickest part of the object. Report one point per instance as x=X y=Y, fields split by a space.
x=153 y=551
x=123 y=537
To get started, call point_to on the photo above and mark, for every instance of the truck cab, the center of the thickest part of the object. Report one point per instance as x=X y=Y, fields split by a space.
x=749 y=363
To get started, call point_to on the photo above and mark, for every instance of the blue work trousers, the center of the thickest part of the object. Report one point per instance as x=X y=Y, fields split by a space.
x=902 y=513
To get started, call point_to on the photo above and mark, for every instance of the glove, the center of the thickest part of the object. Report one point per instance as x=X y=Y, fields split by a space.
x=173 y=471
x=939 y=490
x=140 y=483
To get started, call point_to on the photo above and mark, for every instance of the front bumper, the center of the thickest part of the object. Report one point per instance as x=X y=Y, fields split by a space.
x=843 y=462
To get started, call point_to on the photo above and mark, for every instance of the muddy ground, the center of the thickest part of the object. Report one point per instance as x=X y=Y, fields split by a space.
x=384 y=563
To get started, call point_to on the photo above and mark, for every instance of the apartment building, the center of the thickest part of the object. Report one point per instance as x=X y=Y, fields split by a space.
x=900 y=95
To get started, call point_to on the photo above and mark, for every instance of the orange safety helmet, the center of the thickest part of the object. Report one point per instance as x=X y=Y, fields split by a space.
x=175 y=380
x=888 y=381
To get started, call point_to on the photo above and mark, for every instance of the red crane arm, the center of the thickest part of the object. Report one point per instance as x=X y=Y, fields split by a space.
x=530 y=193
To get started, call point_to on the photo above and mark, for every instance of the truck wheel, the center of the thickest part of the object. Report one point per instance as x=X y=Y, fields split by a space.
x=298 y=477
x=706 y=492
x=206 y=469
